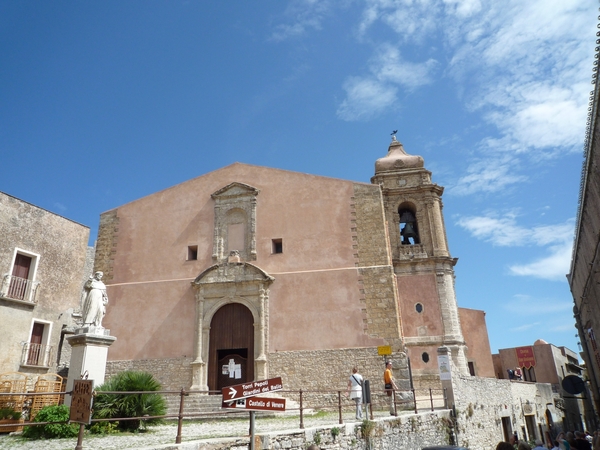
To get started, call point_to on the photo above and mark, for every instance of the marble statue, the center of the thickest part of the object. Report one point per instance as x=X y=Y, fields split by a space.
x=94 y=305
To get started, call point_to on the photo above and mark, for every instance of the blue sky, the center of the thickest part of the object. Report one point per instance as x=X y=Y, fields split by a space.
x=102 y=103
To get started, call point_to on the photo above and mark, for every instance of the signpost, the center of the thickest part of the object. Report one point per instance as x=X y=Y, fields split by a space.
x=257 y=404
x=81 y=406
x=81 y=402
x=251 y=389
x=240 y=396
x=384 y=350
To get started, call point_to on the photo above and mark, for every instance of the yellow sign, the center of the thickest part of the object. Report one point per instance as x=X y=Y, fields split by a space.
x=383 y=350
x=81 y=401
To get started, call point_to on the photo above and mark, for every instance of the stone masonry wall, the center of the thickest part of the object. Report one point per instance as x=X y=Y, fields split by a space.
x=371 y=244
x=407 y=432
x=482 y=402
x=172 y=374
x=106 y=244
x=329 y=370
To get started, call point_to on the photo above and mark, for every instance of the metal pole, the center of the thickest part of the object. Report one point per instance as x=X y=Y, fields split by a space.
x=180 y=417
x=445 y=399
x=252 y=430
x=301 y=412
x=415 y=400
x=340 y=406
x=79 y=445
x=431 y=398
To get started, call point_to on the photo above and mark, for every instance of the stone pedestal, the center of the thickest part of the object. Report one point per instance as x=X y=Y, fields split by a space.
x=446 y=367
x=89 y=353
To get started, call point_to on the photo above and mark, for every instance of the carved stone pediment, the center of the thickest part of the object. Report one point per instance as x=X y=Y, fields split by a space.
x=235 y=190
x=232 y=273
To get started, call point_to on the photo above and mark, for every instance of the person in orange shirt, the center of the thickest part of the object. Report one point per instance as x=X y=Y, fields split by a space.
x=390 y=385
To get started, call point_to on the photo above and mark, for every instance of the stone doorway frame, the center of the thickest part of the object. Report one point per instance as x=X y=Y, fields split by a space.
x=220 y=284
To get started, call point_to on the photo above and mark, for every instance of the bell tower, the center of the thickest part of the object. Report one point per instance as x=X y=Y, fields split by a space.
x=422 y=262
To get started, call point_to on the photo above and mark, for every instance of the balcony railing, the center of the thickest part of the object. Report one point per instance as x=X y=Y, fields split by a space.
x=15 y=288
x=411 y=251
x=36 y=355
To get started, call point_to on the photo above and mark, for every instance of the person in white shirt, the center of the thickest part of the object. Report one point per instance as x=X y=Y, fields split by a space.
x=355 y=390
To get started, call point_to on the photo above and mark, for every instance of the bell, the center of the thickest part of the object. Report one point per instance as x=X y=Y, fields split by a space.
x=409 y=231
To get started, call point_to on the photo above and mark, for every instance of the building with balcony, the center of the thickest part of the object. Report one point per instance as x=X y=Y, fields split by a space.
x=43 y=263
x=545 y=363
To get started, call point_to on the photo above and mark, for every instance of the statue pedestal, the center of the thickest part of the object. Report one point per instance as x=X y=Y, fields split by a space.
x=89 y=353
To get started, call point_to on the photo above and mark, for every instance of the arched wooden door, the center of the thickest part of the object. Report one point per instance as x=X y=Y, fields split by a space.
x=231 y=347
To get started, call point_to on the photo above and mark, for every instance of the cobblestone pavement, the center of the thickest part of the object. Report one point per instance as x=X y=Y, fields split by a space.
x=192 y=431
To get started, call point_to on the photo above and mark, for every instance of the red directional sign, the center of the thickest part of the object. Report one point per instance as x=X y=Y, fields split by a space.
x=251 y=389
x=257 y=404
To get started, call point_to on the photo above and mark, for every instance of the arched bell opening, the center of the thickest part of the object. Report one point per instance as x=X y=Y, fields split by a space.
x=409 y=230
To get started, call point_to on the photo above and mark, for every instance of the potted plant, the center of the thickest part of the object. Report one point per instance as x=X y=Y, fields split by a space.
x=10 y=416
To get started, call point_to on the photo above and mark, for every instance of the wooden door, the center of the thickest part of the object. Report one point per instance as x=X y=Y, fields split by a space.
x=35 y=345
x=20 y=275
x=231 y=337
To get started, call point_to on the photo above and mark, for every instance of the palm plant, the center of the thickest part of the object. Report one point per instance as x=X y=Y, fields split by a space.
x=107 y=406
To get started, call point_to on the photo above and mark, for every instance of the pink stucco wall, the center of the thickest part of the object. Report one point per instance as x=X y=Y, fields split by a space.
x=474 y=329
x=314 y=301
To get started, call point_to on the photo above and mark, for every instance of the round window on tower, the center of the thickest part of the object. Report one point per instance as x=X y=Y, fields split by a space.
x=425 y=357
x=419 y=308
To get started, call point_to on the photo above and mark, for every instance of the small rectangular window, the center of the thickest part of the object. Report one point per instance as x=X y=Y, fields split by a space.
x=471 y=368
x=277 y=246
x=192 y=253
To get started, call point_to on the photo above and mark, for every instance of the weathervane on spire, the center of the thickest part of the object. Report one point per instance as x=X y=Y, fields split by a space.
x=394 y=136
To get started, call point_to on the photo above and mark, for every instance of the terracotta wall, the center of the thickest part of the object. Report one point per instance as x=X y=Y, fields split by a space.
x=315 y=301
x=474 y=329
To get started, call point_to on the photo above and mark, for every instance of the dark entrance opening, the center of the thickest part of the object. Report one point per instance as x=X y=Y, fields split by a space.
x=231 y=347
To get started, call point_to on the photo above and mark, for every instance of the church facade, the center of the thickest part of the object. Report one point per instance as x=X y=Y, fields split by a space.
x=249 y=272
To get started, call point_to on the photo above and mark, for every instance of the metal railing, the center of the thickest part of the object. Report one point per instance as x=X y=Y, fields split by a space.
x=412 y=400
x=15 y=288
x=36 y=354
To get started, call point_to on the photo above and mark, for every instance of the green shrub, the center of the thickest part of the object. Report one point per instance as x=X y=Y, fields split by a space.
x=103 y=428
x=109 y=406
x=56 y=413
x=9 y=413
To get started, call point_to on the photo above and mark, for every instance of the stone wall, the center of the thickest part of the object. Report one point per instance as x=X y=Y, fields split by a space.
x=378 y=282
x=106 y=244
x=481 y=403
x=329 y=370
x=172 y=374
x=407 y=432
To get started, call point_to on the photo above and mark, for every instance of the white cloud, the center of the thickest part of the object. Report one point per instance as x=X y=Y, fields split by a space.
x=525 y=327
x=523 y=67
x=487 y=176
x=305 y=15
x=365 y=98
x=504 y=231
x=60 y=207
x=552 y=267
x=525 y=305
x=369 y=95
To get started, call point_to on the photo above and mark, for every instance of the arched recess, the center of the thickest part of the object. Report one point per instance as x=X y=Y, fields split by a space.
x=231 y=346
x=220 y=285
x=409 y=229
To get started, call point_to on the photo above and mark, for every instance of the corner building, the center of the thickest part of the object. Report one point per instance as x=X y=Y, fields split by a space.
x=249 y=272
